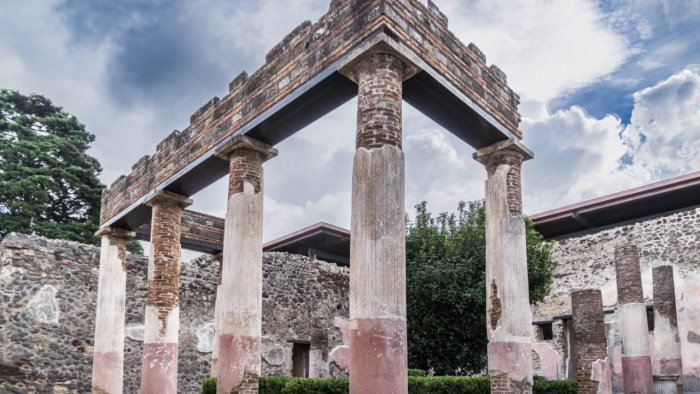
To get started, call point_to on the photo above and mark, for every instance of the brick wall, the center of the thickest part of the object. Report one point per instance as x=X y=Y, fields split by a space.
x=301 y=55
x=628 y=274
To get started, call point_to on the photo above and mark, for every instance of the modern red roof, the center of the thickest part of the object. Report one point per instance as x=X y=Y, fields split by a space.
x=652 y=199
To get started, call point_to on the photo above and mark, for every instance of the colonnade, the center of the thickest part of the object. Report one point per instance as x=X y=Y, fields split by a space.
x=378 y=342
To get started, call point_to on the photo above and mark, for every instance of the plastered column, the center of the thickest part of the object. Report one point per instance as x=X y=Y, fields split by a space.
x=215 y=342
x=239 y=297
x=378 y=355
x=162 y=317
x=108 y=357
x=508 y=317
x=636 y=362
x=667 y=347
x=590 y=345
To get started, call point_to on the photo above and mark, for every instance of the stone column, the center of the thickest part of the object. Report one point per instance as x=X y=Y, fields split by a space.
x=508 y=317
x=636 y=363
x=215 y=342
x=667 y=347
x=239 y=299
x=378 y=356
x=318 y=352
x=108 y=357
x=162 y=318
x=590 y=345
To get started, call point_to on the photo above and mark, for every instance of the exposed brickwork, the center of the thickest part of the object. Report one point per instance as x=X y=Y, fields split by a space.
x=501 y=384
x=245 y=167
x=163 y=290
x=511 y=154
x=379 y=78
x=298 y=58
x=495 y=313
x=664 y=294
x=629 y=277
x=195 y=228
x=589 y=343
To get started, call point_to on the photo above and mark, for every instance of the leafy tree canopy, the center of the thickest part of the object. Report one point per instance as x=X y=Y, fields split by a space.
x=446 y=290
x=48 y=183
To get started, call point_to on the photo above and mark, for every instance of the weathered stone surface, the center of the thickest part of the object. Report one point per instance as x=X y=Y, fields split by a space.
x=38 y=356
x=44 y=306
x=587 y=260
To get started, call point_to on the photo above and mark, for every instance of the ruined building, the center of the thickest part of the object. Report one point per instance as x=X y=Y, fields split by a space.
x=383 y=52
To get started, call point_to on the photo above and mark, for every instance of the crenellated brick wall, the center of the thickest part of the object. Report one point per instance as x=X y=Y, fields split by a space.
x=300 y=56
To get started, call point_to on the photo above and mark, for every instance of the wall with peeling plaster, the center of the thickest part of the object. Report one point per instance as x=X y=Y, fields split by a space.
x=48 y=290
x=586 y=260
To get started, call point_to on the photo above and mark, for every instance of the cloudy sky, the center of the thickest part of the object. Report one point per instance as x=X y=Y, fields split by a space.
x=610 y=93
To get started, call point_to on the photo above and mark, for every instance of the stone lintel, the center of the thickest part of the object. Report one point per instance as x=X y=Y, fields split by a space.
x=485 y=154
x=240 y=142
x=164 y=195
x=380 y=44
x=116 y=232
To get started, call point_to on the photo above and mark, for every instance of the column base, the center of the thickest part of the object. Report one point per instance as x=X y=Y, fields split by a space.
x=378 y=356
x=159 y=368
x=237 y=372
x=636 y=375
x=106 y=378
x=510 y=367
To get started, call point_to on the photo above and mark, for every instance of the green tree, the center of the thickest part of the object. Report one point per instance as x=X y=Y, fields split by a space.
x=446 y=290
x=48 y=183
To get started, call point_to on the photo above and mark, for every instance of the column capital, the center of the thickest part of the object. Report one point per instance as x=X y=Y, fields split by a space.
x=162 y=196
x=378 y=46
x=242 y=142
x=115 y=232
x=501 y=151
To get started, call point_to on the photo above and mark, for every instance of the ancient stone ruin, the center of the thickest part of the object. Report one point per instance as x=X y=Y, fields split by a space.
x=383 y=51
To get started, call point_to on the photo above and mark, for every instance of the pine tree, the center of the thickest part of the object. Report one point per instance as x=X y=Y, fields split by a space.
x=49 y=185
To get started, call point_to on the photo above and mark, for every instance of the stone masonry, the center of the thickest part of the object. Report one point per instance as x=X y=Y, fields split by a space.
x=588 y=260
x=48 y=291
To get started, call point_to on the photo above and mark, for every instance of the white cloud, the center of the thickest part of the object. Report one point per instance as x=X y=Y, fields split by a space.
x=545 y=47
x=580 y=157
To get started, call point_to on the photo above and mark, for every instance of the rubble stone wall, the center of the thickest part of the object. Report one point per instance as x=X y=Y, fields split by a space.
x=48 y=290
x=587 y=260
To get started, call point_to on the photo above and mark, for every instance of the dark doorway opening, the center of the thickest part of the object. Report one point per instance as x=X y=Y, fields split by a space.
x=300 y=359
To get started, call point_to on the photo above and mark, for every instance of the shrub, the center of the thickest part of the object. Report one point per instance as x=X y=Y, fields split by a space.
x=448 y=384
x=544 y=386
x=417 y=372
x=209 y=386
x=416 y=385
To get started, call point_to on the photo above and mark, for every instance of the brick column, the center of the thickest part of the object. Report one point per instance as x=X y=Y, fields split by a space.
x=508 y=317
x=108 y=357
x=667 y=347
x=162 y=318
x=636 y=363
x=378 y=356
x=239 y=297
x=590 y=345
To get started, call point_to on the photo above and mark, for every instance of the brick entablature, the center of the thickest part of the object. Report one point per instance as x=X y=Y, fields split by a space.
x=305 y=52
x=589 y=343
x=629 y=276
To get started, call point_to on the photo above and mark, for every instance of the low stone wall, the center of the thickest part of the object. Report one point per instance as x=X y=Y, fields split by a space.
x=586 y=260
x=48 y=290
